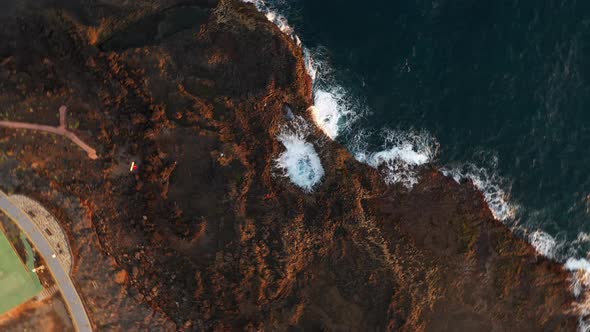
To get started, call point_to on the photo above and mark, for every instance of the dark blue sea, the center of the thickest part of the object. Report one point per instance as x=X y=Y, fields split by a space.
x=497 y=92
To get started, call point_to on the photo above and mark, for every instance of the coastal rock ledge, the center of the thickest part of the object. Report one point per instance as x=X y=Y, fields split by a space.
x=210 y=234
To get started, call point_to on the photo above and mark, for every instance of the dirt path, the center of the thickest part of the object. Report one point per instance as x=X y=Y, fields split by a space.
x=61 y=130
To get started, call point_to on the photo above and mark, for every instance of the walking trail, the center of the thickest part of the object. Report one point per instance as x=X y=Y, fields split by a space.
x=62 y=130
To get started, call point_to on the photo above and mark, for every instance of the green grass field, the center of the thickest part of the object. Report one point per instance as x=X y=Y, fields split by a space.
x=17 y=283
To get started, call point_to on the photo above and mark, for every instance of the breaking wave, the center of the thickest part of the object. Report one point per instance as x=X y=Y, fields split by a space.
x=489 y=185
x=399 y=155
x=580 y=269
x=279 y=20
x=331 y=111
x=567 y=252
x=544 y=243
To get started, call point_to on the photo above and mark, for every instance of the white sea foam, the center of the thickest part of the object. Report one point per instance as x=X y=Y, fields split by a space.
x=489 y=185
x=330 y=110
x=310 y=64
x=580 y=269
x=400 y=155
x=581 y=273
x=544 y=243
x=300 y=161
x=281 y=22
x=582 y=238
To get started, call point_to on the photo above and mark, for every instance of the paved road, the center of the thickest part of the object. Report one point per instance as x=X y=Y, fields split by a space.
x=65 y=284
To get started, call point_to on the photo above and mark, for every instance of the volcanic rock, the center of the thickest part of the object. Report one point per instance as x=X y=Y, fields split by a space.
x=194 y=92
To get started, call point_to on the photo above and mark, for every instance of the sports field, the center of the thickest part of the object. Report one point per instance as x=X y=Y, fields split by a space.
x=17 y=284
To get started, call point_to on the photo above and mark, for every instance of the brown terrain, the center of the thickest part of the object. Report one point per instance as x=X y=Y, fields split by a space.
x=206 y=234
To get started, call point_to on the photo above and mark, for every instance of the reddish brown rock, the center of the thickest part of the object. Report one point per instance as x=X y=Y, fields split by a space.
x=121 y=277
x=194 y=92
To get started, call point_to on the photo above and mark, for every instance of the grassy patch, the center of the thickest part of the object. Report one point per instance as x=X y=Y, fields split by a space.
x=18 y=284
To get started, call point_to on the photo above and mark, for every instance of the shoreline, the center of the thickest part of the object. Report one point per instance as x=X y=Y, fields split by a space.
x=209 y=234
x=575 y=267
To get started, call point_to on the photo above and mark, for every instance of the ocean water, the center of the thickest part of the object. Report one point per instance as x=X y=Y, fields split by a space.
x=494 y=92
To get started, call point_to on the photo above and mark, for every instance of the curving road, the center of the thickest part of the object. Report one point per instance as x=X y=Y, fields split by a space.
x=62 y=278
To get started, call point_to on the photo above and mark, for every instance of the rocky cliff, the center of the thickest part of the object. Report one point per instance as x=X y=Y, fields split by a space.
x=207 y=234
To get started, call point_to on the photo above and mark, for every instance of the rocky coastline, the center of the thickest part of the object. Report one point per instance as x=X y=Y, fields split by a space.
x=207 y=234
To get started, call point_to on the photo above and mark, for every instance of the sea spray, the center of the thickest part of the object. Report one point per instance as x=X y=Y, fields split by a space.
x=398 y=156
x=331 y=112
x=311 y=65
x=273 y=16
x=582 y=237
x=489 y=185
x=580 y=269
x=544 y=243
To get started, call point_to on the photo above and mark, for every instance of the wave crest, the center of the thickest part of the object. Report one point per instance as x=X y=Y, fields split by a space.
x=399 y=155
x=489 y=185
x=332 y=112
x=544 y=243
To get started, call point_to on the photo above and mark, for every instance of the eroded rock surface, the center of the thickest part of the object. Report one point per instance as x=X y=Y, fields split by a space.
x=206 y=234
